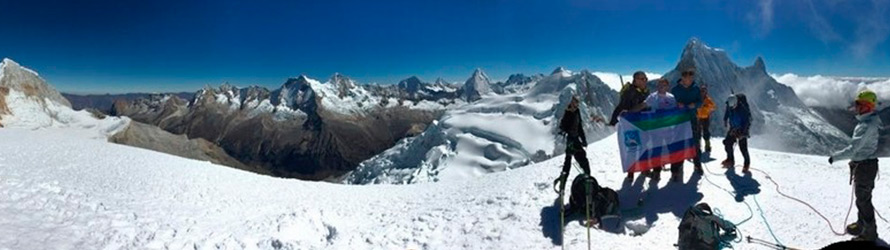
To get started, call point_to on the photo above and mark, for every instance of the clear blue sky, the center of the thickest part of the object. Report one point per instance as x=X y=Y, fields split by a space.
x=123 y=46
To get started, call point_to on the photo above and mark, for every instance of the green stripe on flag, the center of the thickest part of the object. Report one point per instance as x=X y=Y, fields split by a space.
x=668 y=121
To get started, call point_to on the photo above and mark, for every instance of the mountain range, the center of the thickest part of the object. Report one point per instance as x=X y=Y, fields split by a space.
x=415 y=131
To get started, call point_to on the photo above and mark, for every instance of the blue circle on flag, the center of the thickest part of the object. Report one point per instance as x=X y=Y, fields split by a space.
x=632 y=139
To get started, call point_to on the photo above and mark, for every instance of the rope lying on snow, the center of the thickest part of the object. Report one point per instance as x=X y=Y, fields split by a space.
x=830 y=226
x=719 y=214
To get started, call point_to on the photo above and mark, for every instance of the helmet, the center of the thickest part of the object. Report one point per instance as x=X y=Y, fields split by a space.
x=867 y=96
x=732 y=101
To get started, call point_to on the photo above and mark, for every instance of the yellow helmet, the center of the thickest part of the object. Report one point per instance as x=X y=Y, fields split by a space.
x=867 y=96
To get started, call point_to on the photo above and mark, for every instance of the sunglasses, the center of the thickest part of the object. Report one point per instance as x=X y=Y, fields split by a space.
x=688 y=74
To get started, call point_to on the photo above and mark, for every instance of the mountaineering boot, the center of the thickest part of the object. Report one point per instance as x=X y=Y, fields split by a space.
x=727 y=163
x=655 y=174
x=676 y=177
x=745 y=168
x=854 y=229
x=859 y=238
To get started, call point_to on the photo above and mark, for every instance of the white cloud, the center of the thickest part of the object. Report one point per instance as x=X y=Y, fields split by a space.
x=833 y=92
x=872 y=30
x=762 y=17
x=614 y=82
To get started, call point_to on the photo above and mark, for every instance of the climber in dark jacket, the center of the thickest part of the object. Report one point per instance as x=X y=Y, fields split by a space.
x=570 y=125
x=633 y=99
x=737 y=119
x=689 y=98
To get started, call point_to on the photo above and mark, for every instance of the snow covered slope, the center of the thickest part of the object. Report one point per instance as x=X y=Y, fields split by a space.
x=63 y=191
x=492 y=134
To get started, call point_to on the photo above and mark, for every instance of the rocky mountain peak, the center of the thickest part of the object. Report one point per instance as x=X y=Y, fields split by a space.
x=343 y=84
x=440 y=81
x=759 y=65
x=411 y=84
x=477 y=85
x=15 y=77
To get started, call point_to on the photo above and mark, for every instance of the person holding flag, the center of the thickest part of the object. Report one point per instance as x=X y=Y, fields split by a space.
x=632 y=99
x=689 y=98
x=660 y=100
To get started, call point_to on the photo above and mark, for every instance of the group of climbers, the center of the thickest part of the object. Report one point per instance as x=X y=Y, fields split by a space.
x=693 y=97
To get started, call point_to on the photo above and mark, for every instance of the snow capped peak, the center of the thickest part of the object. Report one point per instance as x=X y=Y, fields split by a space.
x=15 y=77
x=695 y=48
x=561 y=71
x=303 y=78
x=296 y=82
x=477 y=85
x=228 y=87
x=693 y=41
x=440 y=81
x=7 y=61
x=27 y=101
x=479 y=73
x=342 y=80
x=343 y=84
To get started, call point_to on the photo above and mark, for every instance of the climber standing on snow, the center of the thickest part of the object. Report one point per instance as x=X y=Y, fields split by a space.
x=570 y=125
x=660 y=100
x=704 y=117
x=737 y=119
x=632 y=99
x=689 y=97
x=863 y=164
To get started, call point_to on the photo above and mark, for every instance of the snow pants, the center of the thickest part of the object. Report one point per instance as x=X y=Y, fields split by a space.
x=864 y=173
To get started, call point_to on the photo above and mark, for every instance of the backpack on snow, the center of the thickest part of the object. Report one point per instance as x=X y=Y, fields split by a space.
x=602 y=201
x=699 y=229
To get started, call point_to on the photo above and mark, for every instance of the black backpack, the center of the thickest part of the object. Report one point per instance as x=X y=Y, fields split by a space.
x=603 y=201
x=699 y=229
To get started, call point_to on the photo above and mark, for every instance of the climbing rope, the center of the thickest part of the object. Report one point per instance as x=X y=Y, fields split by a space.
x=723 y=242
x=830 y=226
x=778 y=242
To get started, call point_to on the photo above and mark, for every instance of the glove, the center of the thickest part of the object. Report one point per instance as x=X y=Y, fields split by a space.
x=560 y=182
x=830 y=160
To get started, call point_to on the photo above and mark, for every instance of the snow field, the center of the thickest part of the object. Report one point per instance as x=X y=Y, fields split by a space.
x=73 y=192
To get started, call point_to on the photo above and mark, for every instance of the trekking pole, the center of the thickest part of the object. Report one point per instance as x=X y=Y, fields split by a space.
x=587 y=204
x=769 y=244
x=587 y=189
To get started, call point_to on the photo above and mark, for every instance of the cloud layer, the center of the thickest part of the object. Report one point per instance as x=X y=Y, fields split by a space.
x=834 y=92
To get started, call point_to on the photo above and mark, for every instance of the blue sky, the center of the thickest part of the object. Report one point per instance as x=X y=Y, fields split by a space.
x=126 y=46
